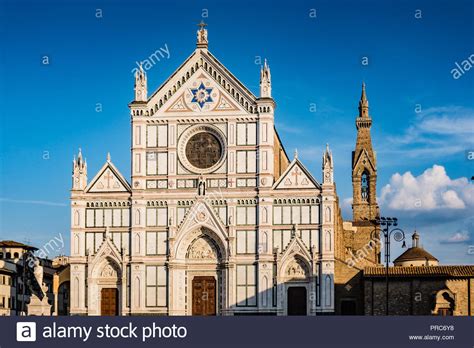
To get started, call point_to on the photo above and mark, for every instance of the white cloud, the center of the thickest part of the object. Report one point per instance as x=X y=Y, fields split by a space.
x=435 y=132
x=29 y=201
x=432 y=190
x=458 y=237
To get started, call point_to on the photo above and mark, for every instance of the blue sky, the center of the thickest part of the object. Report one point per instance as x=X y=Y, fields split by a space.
x=422 y=116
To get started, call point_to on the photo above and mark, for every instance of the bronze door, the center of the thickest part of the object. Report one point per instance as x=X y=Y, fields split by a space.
x=204 y=296
x=297 y=300
x=108 y=303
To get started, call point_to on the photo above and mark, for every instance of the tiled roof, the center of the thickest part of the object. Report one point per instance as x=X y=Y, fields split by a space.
x=421 y=271
x=13 y=244
x=415 y=253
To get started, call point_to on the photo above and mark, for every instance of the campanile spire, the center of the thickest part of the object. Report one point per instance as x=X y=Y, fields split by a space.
x=364 y=166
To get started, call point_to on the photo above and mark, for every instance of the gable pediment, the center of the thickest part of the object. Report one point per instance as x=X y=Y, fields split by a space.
x=364 y=161
x=296 y=247
x=107 y=250
x=201 y=214
x=202 y=94
x=108 y=179
x=296 y=176
x=201 y=84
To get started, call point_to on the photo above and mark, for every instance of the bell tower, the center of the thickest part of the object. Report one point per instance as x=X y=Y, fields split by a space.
x=364 y=167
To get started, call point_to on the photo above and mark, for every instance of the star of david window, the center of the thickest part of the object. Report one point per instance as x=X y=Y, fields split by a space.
x=203 y=150
x=201 y=95
x=364 y=189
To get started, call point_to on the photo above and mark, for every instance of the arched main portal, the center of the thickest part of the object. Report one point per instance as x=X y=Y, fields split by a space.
x=105 y=288
x=199 y=274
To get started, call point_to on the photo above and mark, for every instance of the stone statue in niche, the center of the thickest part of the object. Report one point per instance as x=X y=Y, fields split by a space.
x=201 y=187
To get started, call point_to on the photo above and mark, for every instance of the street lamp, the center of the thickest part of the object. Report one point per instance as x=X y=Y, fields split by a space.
x=388 y=226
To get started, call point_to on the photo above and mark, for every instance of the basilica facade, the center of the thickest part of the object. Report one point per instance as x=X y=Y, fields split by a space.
x=216 y=218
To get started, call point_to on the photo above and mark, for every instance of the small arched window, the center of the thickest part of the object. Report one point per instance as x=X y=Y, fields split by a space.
x=364 y=186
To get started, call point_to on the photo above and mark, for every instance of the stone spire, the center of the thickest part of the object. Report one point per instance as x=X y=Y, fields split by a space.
x=79 y=172
x=364 y=166
x=363 y=109
x=141 y=91
x=265 y=81
x=364 y=123
x=201 y=41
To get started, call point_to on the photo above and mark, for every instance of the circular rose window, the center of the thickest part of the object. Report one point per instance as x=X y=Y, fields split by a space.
x=203 y=150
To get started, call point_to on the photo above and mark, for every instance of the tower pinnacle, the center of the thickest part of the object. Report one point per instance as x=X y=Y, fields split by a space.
x=265 y=81
x=141 y=92
x=363 y=104
x=79 y=172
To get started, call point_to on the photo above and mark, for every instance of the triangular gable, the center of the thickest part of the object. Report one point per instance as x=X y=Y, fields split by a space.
x=201 y=214
x=169 y=96
x=364 y=156
x=296 y=176
x=201 y=93
x=108 y=179
x=296 y=246
x=107 y=250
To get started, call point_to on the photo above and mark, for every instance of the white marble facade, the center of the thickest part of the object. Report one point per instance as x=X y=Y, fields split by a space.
x=212 y=196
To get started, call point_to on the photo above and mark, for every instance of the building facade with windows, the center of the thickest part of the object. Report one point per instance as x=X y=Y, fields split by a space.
x=215 y=220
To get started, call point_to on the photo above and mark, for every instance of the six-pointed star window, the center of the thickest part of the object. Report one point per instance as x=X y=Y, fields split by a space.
x=201 y=95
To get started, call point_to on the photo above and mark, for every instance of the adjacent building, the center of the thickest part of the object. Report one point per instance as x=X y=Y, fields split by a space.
x=418 y=285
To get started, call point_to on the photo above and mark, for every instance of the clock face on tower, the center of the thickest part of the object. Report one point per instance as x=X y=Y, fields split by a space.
x=203 y=150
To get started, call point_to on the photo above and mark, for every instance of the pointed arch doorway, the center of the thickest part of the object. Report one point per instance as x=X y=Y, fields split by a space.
x=203 y=273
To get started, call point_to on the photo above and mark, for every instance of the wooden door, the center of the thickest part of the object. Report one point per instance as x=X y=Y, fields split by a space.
x=297 y=300
x=204 y=296
x=108 y=303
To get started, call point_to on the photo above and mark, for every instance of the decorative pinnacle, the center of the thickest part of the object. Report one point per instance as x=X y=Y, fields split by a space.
x=296 y=153
x=108 y=156
x=364 y=104
x=363 y=97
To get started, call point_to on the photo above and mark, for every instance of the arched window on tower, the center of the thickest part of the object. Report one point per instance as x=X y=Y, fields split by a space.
x=364 y=186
